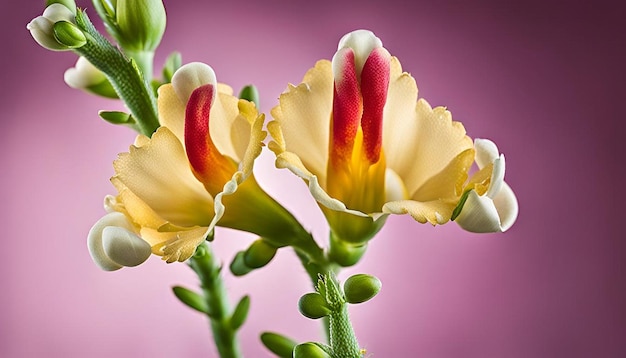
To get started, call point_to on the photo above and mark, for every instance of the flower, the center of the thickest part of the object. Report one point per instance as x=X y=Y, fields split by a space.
x=196 y=170
x=356 y=132
x=490 y=204
x=56 y=30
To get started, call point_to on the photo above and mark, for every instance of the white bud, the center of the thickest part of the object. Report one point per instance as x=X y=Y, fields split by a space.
x=113 y=244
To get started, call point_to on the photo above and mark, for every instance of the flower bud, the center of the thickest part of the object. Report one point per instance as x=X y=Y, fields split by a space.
x=361 y=287
x=259 y=254
x=85 y=76
x=70 y=4
x=313 y=305
x=278 y=344
x=42 y=28
x=309 y=350
x=113 y=244
x=250 y=93
x=140 y=24
x=238 y=267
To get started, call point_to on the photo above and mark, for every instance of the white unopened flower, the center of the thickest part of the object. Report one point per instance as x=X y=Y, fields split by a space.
x=113 y=244
x=85 y=76
x=42 y=27
x=496 y=209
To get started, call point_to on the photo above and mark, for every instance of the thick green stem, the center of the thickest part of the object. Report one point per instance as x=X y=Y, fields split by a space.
x=145 y=61
x=342 y=339
x=126 y=79
x=205 y=264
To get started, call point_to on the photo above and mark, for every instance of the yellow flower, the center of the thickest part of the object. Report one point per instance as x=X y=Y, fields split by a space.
x=196 y=170
x=356 y=132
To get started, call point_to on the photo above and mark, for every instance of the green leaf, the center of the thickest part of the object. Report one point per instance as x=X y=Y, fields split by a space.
x=240 y=313
x=278 y=344
x=191 y=299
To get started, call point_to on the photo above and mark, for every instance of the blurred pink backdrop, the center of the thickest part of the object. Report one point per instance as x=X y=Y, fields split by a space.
x=544 y=79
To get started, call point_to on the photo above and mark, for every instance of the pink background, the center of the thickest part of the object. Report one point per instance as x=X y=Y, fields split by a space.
x=544 y=79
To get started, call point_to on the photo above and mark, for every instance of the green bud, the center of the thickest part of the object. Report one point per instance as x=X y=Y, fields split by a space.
x=250 y=93
x=173 y=63
x=259 y=254
x=238 y=267
x=191 y=299
x=69 y=35
x=361 y=287
x=310 y=350
x=313 y=306
x=140 y=24
x=278 y=344
x=70 y=4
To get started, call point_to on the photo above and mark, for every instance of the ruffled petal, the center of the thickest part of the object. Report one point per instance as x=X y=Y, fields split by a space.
x=294 y=164
x=434 y=212
x=304 y=118
x=418 y=141
x=177 y=245
x=156 y=177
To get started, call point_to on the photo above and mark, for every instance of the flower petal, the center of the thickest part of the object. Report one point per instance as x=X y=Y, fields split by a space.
x=418 y=141
x=363 y=42
x=95 y=240
x=486 y=152
x=124 y=247
x=507 y=206
x=304 y=119
x=434 y=212
x=294 y=164
x=158 y=176
x=175 y=245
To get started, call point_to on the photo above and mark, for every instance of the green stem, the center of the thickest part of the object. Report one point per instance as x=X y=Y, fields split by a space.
x=343 y=341
x=145 y=61
x=208 y=269
x=342 y=338
x=125 y=77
